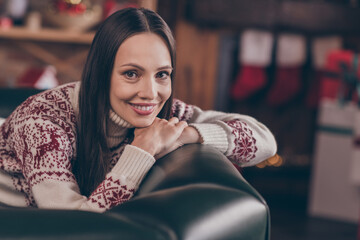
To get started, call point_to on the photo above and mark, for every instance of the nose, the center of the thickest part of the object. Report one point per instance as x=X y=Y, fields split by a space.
x=147 y=88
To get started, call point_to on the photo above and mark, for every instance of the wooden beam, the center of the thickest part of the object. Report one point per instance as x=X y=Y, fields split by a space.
x=196 y=70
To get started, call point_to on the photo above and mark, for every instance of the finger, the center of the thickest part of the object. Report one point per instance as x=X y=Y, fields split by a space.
x=157 y=120
x=182 y=124
x=174 y=120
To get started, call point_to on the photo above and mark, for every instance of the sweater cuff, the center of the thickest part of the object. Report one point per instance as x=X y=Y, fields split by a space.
x=134 y=163
x=213 y=135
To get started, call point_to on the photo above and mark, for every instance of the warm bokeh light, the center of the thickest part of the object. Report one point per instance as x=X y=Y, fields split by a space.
x=275 y=161
x=74 y=1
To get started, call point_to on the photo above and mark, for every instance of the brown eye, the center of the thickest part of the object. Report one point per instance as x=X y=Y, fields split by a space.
x=131 y=75
x=163 y=75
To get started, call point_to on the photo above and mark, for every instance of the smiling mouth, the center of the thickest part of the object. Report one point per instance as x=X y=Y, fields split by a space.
x=143 y=109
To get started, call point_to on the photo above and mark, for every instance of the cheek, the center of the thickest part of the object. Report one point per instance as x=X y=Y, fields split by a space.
x=121 y=95
x=120 y=91
x=166 y=92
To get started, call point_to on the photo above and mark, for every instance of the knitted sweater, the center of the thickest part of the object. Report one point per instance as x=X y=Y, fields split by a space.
x=38 y=147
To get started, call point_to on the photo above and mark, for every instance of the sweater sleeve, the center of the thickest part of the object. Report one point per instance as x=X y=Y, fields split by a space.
x=244 y=140
x=45 y=150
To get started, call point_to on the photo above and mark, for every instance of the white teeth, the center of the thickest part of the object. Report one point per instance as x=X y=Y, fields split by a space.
x=143 y=108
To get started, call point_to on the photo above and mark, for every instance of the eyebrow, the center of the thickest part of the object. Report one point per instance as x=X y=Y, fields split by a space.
x=142 y=69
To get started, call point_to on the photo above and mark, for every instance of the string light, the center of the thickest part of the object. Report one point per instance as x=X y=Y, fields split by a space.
x=275 y=161
x=74 y=2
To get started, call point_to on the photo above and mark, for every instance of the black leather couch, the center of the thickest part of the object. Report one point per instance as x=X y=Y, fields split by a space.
x=192 y=193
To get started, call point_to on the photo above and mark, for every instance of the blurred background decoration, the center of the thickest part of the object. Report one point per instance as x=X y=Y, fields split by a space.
x=287 y=63
x=76 y=15
x=37 y=34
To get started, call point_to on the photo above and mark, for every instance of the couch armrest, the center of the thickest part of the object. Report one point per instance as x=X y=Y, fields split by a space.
x=192 y=193
x=196 y=193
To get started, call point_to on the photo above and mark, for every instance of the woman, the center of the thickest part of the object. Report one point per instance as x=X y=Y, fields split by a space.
x=88 y=145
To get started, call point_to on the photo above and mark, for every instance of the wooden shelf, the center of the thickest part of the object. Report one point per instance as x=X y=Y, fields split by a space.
x=68 y=63
x=47 y=35
x=59 y=35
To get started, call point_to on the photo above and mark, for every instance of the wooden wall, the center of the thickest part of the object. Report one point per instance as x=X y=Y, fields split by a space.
x=197 y=51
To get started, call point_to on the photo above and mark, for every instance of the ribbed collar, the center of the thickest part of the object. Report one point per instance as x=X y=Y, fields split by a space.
x=118 y=120
x=117 y=129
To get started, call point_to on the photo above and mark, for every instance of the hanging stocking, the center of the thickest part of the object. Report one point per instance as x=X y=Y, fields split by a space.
x=330 y=86
x=290 y=56
x=254 y=57
x=320 y=49
x=313 y=96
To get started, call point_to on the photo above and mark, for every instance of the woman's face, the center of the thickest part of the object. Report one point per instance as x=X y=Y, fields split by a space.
x=140 y=80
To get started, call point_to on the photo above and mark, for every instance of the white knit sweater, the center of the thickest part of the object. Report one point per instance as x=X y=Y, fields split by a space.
x=38 y=145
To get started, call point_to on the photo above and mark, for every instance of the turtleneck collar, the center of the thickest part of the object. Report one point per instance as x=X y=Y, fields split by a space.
x=118 y=120
x=117 y=129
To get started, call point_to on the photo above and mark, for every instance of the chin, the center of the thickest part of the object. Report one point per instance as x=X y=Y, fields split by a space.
x=142 y=123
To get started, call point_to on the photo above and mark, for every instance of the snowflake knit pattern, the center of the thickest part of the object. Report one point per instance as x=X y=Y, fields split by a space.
x=38 y=147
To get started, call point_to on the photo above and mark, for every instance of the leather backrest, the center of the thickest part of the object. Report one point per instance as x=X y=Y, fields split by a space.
x=10 y=98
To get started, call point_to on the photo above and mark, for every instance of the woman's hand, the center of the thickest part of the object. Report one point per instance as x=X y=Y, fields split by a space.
x=161 y=137
x=188 y=135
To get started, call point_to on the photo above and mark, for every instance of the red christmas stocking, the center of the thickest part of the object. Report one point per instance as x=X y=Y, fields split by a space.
x=290 y=55
x=249 y=80
x=287 y=84
x=254 y=56
x=320 y=49
x=313 y=96
x=330 y=86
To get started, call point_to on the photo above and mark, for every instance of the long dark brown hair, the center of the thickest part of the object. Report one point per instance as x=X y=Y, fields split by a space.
x=90 y=165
